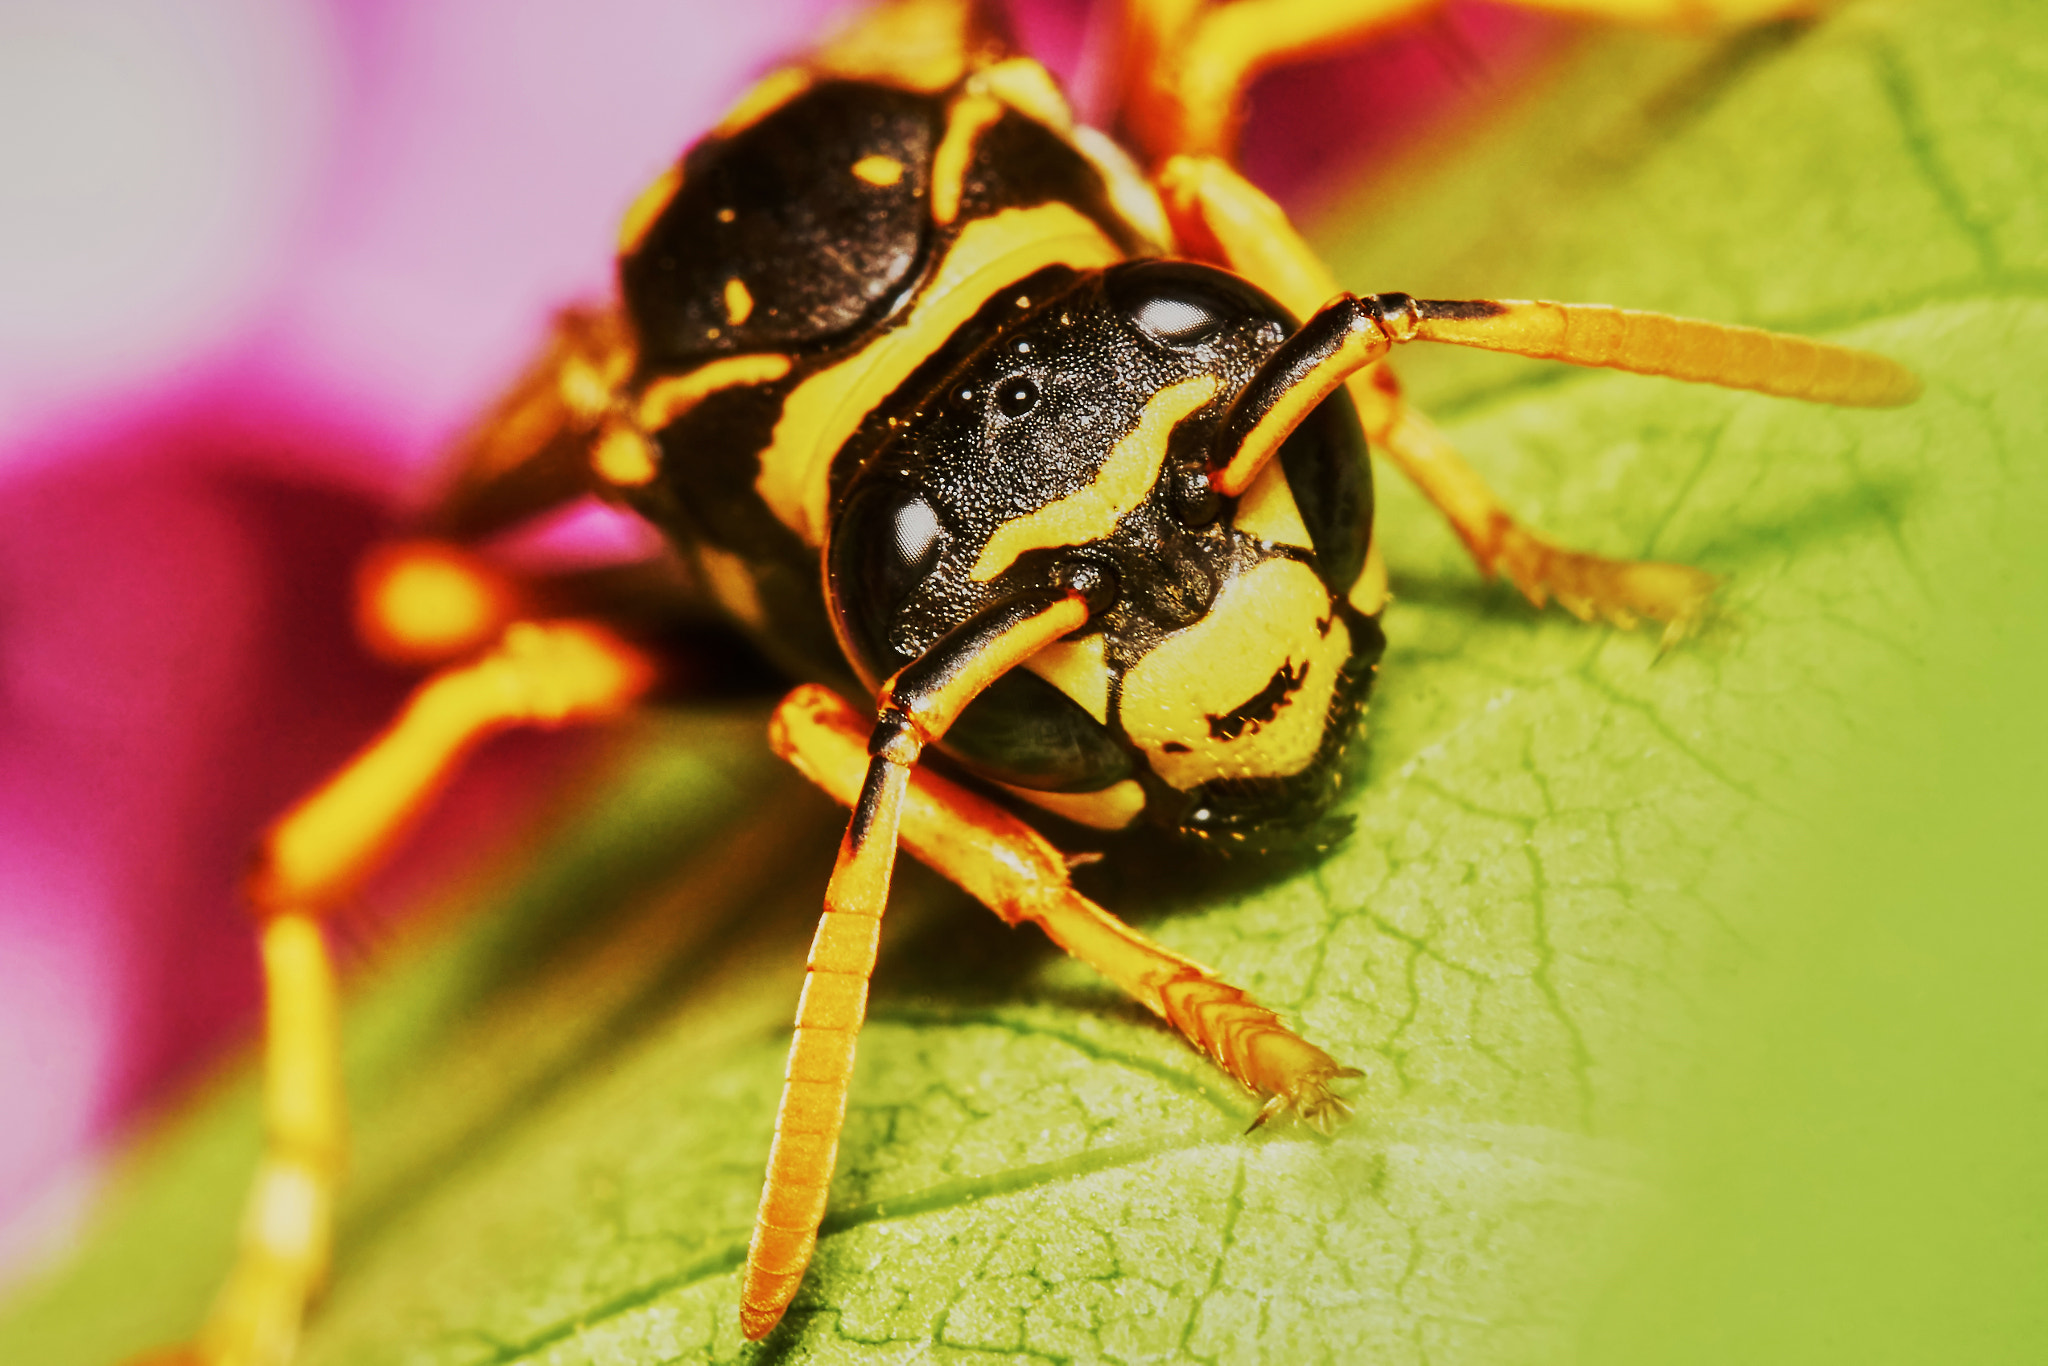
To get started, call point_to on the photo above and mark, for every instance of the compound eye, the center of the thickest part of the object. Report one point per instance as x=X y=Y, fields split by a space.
x=919 y=538
x=1182 y=305
x=1176 y=321
x=886 y=543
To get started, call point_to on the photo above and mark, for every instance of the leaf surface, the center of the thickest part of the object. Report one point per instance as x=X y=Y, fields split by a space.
x=1567 y=855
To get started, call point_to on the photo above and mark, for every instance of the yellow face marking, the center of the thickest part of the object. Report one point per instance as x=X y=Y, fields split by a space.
x=1113 y=808
x=739 y=304
x=668 y=399
x=990 y=255
x=1269 y=512
x=1370 y=593
x=624 y=457
x=647 y=207
x=1078 y=669
x=878 y=170
x=1190 y=704
x=1091 y=513
x=969 y=118
x=768 y=94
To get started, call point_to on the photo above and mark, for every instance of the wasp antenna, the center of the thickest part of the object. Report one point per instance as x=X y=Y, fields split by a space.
x=916 y=707
x=1661 y=344
x=1350 y=333
x=1345 y=336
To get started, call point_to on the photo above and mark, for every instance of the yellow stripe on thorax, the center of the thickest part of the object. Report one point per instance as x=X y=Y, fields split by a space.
x=970 y=117
x=668 y=399
x=1126 y=477
x=990 y=255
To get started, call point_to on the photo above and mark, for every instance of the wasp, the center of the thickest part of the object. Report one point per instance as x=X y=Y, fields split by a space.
x=1039 y=456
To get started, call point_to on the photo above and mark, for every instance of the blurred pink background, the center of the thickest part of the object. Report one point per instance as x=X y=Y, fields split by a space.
x=259 y=260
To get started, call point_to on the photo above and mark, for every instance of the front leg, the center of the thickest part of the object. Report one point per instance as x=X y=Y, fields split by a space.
x=1017 y=873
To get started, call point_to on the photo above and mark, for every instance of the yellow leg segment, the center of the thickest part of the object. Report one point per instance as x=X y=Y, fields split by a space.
x=1224 y=216
x=1187 y=65
x=915 y=707
x=539 y=674
x=288 y=1224
x=1014 y=871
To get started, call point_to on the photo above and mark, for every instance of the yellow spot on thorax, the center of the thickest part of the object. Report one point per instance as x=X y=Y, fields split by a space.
x=647 y=207
x=1126 y=477
x=739 y=304
x=878 y=170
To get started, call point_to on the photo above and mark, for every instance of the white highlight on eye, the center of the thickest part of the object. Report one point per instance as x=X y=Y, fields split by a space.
x=1174 y=318
x=917 y=526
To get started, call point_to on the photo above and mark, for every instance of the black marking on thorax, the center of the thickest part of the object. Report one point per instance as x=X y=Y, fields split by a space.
x=822 y=252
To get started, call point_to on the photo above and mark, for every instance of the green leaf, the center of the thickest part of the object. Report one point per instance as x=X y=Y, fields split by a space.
x=1698 y=998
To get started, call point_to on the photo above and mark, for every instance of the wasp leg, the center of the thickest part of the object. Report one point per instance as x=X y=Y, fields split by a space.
x=1588 y=586
x=1016 y=872
x=541 y=674
x=915 y=707
x=921 y=44
x=1223 y=216
x=1186 y=65
x=561 y=430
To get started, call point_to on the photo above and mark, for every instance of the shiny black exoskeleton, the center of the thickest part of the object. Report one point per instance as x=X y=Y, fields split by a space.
x=1028 y=419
